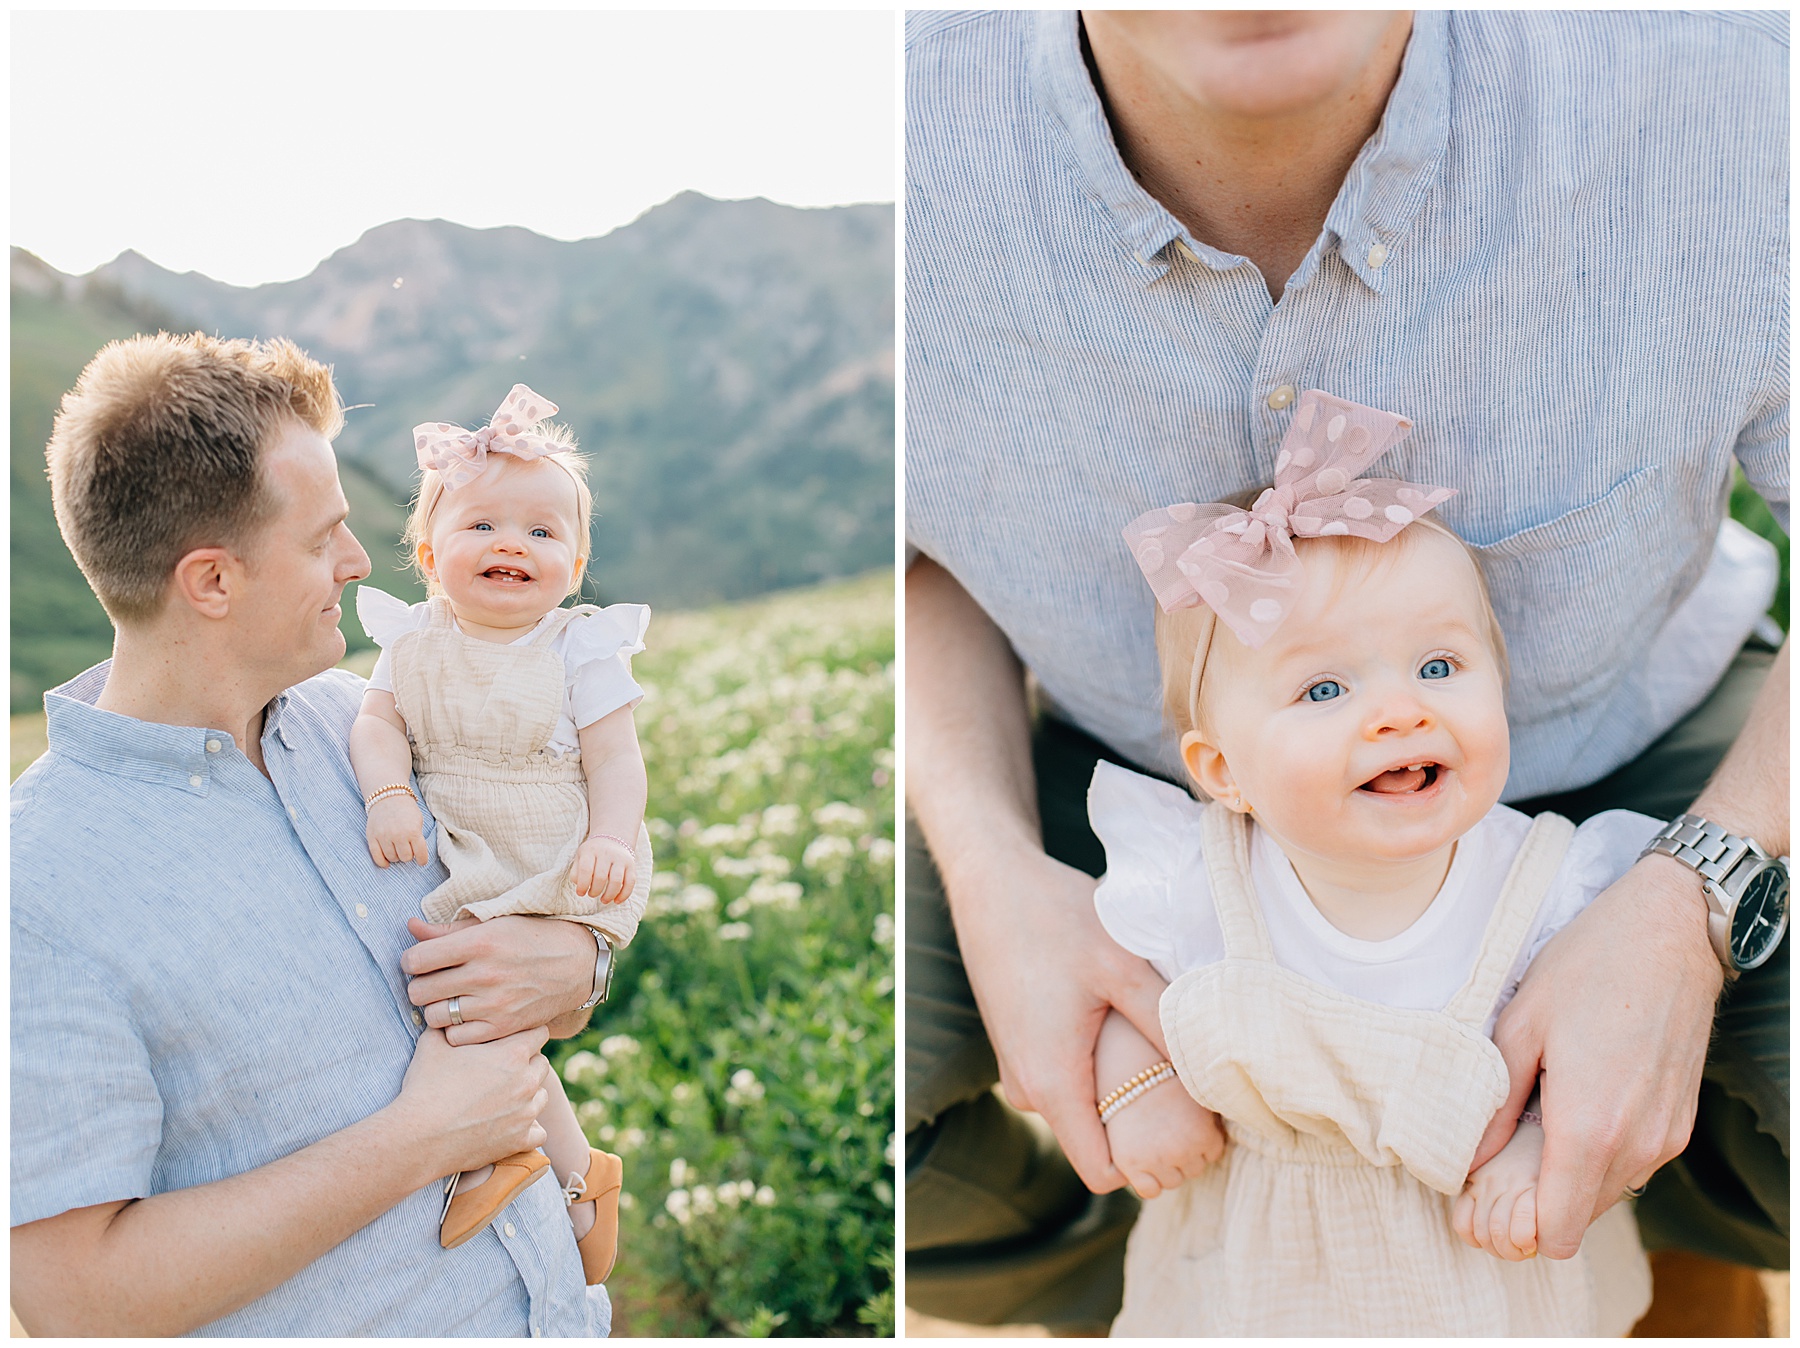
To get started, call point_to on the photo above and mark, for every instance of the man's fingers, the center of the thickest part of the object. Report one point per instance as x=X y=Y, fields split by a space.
x=1136 y=996
x=433 y=951
x=1577 y=1157
x=470 y=1032
x=1067 y=1104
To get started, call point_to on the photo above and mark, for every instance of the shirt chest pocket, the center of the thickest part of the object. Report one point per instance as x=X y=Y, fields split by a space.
x=1581 y=597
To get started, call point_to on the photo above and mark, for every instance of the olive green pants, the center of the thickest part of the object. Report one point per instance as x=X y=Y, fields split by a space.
x=1000 y=1230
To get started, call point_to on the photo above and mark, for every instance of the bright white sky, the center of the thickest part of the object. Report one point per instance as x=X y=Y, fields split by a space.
x=249 y=146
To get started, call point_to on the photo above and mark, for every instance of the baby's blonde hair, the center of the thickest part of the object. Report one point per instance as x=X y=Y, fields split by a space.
x=430 y=495
x=1185 y=638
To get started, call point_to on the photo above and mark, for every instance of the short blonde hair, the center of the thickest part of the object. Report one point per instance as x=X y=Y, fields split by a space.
x=1184 y=639
x=157 y=450
x=430 y=495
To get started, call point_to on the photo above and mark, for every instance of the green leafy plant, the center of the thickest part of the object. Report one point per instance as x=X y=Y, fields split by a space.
x=744 y=1067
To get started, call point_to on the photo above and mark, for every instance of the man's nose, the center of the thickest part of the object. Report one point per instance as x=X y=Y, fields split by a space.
x=355 y=564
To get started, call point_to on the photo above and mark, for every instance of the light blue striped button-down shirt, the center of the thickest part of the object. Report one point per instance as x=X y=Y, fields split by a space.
x=1580 y=300
x=206 y=977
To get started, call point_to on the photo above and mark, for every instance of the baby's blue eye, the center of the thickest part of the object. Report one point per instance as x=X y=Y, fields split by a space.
x=1435 y=669
x=1324 y=691
x=540 y=533
x=488 y=527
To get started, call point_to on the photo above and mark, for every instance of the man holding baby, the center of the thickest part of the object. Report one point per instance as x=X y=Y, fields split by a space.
x=229 y=1116
x=1557 y=243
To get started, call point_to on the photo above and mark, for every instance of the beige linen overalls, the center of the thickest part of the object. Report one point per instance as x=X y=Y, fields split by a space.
x=511 y=813
x=1352 y=1126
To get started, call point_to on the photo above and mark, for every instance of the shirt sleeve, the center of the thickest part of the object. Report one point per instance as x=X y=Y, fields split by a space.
x=86 y=1113
x=597 y=661
x=1144 y=825
x=1762 y=444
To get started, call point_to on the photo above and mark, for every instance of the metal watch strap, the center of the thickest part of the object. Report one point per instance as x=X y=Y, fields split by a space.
x=1702 y=845
x=604 y=955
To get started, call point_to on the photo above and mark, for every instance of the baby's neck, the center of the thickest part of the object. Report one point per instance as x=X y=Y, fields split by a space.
x=500 y=635
x=1370 y=900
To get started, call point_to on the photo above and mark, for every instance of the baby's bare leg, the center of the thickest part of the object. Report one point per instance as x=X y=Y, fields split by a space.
x=567 y=1147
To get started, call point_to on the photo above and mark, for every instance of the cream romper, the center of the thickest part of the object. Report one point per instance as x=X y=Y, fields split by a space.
x=511 y=812
x=1351 y=1130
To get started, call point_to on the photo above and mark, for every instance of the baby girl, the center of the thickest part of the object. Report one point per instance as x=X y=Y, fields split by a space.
x=1341 y=925
x=516 y=713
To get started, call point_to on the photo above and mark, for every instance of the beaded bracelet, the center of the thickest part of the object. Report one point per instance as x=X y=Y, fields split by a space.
x=1129 y=1094
x=612 y=837
x=397 y=789
x=1138 y=1080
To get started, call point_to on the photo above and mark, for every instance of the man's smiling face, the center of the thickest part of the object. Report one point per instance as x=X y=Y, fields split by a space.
x=299 y=563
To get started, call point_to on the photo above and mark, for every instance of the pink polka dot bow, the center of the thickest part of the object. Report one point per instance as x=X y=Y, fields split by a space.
x=461 y=456
x=1242 y=562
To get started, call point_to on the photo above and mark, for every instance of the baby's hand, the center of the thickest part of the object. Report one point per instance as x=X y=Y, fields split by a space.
x=396 y=831
x=1163 y=1139
x=1497 y=1210
x=605 y=869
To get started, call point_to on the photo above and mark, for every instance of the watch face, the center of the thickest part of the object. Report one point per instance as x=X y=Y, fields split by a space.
x=1760 y=919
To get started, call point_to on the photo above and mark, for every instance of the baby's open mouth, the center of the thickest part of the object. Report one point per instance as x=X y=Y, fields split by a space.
x=505 y=573
x=1403 y=781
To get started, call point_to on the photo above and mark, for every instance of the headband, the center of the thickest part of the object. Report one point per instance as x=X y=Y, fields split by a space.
x=460 y=456
x=1242 y=563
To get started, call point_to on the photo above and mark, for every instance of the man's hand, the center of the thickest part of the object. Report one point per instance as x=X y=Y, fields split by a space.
x=1616 y=1012
x=474 y=1104
x=1043 y=999
x=396 y=831
x=605 y=869
x=511 y=974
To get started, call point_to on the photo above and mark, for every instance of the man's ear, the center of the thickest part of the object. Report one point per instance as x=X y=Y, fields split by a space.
x=1211 y=773
x=207 y=580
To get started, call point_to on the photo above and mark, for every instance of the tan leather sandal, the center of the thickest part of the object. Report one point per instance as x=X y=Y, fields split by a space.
x=467 y=1214
x=600 y=1246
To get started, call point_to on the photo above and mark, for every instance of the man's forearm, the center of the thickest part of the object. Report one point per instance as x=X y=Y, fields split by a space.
x=170 y=1263
x=969 y=776
x=1749 y=793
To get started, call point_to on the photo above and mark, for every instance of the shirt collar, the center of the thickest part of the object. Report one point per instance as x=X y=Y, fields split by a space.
x=148 y=751
x=1381 y=193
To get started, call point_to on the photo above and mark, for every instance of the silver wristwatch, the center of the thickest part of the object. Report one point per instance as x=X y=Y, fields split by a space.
x=603 y=968
x=1746 y=888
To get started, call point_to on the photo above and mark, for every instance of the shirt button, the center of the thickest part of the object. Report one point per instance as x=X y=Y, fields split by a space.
x=362 y=910
x=195 y=780
x=1281 y=397
x=1377 y=254
x=536 y=1333
x=511 y=1231
x=293 y=814
x=418 y=1019
x=212 y=746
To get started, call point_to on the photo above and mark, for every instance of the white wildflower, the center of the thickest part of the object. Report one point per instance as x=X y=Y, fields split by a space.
x=765 y=1197
x=681 y=1091
x=734 y=931
x=774 y=893
x=698 y=899
x=678 y=1203
x=881 y=851
x=827 y=852
x=780 y=820
x=664 y=882
x=737 y=907
x=884 y=929
x=631 y=1139
x=618 y=1046
x=703 y=1201
x=583 y=1066
x=841 y=815
x=678 y=1172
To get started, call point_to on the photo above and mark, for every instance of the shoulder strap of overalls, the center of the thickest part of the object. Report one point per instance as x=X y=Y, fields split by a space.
x=552 y=625
x=1515 y=912
x=1226 y=835
x=437 y=613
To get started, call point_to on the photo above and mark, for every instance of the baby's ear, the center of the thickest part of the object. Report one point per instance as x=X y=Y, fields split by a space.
x=1207 y=766
x=426 y=558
